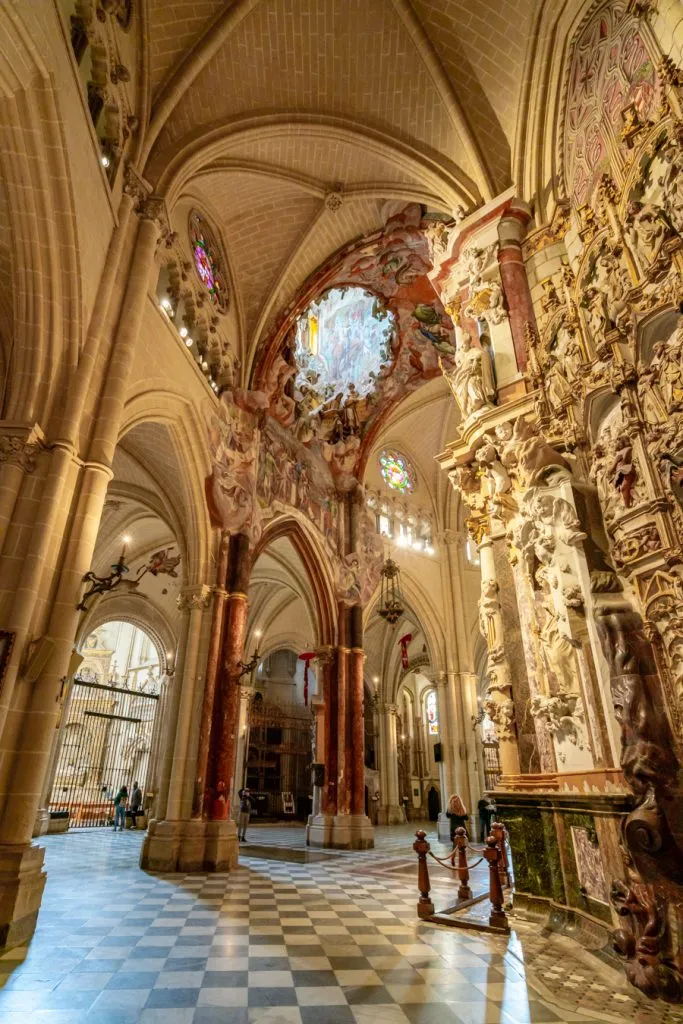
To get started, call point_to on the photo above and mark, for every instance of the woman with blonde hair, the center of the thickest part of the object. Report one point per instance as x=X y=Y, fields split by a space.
x=457 y=815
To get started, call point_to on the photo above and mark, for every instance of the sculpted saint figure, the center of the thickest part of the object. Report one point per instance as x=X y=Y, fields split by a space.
x=569 y=353
x=472 y=378
x=647 y=231
x=611 y=287
x=668 y=361
x=672 y=185
x=557 y=387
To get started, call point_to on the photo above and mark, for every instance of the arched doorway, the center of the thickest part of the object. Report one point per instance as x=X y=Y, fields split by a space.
x=108 y=729
x=278 y=765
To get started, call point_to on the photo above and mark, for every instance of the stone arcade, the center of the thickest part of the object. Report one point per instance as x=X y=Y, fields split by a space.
x=341 y=459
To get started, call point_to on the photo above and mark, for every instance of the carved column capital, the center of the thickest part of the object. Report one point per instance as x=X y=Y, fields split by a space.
x=389 y=709
x=134 y=186
x=502 y=714
x=450 y=538
x=20 y=444
x=195 y=597
x=153 y=208
x=324 y=655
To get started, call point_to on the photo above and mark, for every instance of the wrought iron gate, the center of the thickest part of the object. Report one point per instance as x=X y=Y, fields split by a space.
x=492 y=769
x=105 y=743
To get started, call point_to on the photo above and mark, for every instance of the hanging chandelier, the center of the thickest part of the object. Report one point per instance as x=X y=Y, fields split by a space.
x=391 y=598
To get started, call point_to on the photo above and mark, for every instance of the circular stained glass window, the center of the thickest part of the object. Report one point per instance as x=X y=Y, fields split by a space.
x=397 y=471
x=207 y=260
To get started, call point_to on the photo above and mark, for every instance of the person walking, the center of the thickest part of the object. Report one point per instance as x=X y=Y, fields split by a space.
x=486 y=812
x=120 y=804
x=245 y=811
x=457 y=815
x=135 y=803
x=433 y=804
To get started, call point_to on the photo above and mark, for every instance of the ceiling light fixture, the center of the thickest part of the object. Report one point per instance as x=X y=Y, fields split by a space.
x=391 y=598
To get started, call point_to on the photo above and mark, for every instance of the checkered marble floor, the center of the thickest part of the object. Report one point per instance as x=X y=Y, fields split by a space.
x=272 y=942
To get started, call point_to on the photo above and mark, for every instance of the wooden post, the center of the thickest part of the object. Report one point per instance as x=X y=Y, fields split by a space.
x=499 y=831
x=464 y=892
x=425 y=907
x=498 y=918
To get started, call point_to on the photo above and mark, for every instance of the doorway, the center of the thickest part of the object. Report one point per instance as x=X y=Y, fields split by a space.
x=107 y=731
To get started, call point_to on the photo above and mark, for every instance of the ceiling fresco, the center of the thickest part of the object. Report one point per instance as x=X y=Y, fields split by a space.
x=375 y=367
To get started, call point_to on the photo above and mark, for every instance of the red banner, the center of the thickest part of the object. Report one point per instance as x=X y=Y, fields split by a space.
x=404 y=641
x=307 y=657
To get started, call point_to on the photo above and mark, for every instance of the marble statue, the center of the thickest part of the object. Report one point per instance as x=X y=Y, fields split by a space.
x=472 y=379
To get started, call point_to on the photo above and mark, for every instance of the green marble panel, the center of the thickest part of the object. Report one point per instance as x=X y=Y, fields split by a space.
x=575 y=898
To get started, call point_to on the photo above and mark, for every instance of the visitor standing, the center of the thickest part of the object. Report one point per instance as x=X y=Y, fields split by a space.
x=120 y=804
x=135 y=803
x=245 y=811
x=433 y=804
x=486 y=811
x=457 y=815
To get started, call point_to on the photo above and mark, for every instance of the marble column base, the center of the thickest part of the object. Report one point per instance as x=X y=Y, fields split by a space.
x=390 y=814
x=22 y=881
x=188 y=846
x=341 y=832
x=221 y=849
x=42 y=822
x=320 y=830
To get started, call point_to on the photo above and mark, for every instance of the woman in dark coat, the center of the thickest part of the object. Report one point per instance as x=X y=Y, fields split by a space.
x=457 y=815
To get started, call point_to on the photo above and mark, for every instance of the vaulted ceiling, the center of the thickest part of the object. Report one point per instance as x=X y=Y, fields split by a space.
x=259 y=109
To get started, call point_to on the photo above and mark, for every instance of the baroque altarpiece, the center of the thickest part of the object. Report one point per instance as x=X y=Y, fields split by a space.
x=572 y=471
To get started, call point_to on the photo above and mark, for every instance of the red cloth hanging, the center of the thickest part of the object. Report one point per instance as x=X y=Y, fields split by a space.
x=404 y=641
x=307 y=657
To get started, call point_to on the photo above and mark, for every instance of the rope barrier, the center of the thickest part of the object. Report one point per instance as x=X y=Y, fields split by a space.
x=495 y=854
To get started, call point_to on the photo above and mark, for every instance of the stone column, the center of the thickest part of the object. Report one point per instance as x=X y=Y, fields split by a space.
x=511 y=232
x=209 y=695
x=447 y=774
x=320 y=830
x=224 y=738
x=466 y=686
x=357 y=746
x=242 y=752
x=35 y=709
x=389 y=813
x=171 y=716
x=169 y=844
x=343 y=751
x=318 y=712
x=499 y=704
x=456 y=731
x=197 y=600
x=156 y=752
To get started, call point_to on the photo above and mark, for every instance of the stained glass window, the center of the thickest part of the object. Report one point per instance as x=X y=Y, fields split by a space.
x=397 y=471
x=207 y=260
x=432 y=714
x=341 y=342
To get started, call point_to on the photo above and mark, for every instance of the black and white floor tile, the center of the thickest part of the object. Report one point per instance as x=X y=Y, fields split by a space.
x=273 y=942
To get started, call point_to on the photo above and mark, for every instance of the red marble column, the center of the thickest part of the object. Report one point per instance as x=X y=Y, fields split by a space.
x=357 y=747
x=329 y=793
x=344 y=760
x=226 y=705
x=511 y=231
x=217 y=621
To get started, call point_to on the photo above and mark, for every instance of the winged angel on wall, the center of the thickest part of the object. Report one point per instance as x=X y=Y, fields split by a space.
x=234 y=442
